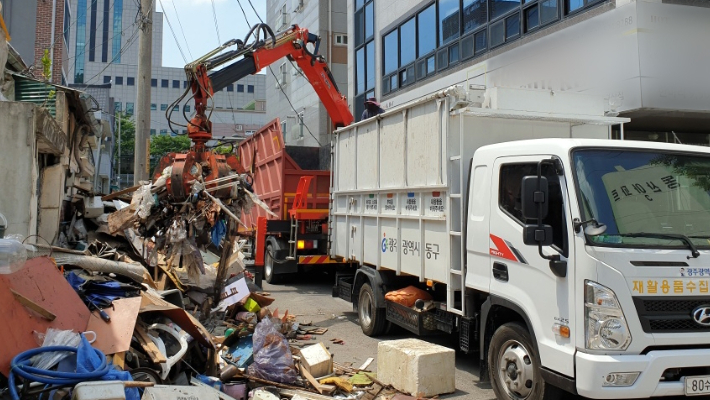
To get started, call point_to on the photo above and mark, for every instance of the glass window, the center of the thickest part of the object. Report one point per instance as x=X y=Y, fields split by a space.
x=475 y=14
x=426 y=31
x=369 y=21
x=574 y=5
x=532 y=18
x=359 y=3
x=154 y=83
x=403 y=81
x=359 y=27
x=467 y=47
x=131 y=81
x=184 y=84
x=67 y=21
x=448 y=21
x=163 y=131
x=385 y=85
x=481 y=42
x=186 y=108
x=107 y=79
x=370 y=65
x=117 y=106
x=119 y=80
x=117 y=29
x=92 y=31
x=240 y=88
x=548 y=11
x=164 y=83
x=393 y=82
x=152 y=131
x=153 y=106
x=360 y=70
x=176 y=84
x=129 y=108
x=512 y=26
x=421 y=69
x=454 y=53
x=163 y=107
x=500 y=7
x=250 y=88
x=391 y=52
x=104 y=31
x=431 y=65
x=442 y=59
x=498 y=33
x=80 y=41
x=230 y=87
x=176 y=108
x=408 y=41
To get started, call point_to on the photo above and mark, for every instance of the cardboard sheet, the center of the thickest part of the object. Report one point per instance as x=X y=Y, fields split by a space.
x=115 y=336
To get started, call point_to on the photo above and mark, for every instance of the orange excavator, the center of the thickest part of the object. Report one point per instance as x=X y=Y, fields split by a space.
x=202 y=164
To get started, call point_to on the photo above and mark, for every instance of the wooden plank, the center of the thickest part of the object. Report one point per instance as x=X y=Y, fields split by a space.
x=120 y=193
x=321 y=388
x=155 y=355
x=34 y=306
x=366 y=364
x=121 y=219
x=119 y=361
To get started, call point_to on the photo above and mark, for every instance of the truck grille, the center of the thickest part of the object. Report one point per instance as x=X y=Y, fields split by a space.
x=669 y=314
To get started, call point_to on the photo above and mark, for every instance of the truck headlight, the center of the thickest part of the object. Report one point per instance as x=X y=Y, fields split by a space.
x=605 y=325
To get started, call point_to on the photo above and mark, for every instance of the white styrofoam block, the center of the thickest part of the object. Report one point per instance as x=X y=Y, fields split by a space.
x=416 y=367
x=317 y=360
x=103 y=390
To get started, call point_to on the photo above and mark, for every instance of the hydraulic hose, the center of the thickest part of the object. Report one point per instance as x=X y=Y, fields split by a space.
x=22 y=366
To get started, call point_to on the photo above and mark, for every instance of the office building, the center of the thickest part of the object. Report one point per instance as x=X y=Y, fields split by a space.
x=326 y=18
x=648 y=58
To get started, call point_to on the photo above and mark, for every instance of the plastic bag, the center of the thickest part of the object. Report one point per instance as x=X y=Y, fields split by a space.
x=87 y=360
x=143 y=201
x=55 y=337
x=407 y=296
x=272 y=356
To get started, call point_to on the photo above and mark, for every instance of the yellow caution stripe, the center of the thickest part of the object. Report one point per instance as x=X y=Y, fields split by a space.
x=315 y=260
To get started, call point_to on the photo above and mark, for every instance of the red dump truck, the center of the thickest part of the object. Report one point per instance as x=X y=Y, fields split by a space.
x=288 y=179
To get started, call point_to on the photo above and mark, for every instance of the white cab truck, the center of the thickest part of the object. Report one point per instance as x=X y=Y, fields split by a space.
x=569 y=262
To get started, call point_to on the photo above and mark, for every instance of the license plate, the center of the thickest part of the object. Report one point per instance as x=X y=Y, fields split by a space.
x=697 y=385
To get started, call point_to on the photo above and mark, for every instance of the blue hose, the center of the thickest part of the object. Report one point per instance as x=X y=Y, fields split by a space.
x=22 y=366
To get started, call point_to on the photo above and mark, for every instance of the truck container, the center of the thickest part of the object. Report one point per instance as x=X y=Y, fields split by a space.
x=567 y=261
x=288 y=181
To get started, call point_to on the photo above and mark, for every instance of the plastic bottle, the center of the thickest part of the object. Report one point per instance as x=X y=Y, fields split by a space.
x=12 y=256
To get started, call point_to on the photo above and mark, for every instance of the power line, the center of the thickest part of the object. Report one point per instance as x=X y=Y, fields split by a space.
x=183 y=31
x=173 y=32
x=214 y=14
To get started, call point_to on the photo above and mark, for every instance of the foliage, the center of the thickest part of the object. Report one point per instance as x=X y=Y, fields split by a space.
x=128 y=139
x=691 y=167
x=46 y=65
x=163 y=144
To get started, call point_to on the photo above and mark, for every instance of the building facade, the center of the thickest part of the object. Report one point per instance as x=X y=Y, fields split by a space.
x=37 y=28
x=647 y=57
x=103 y=49
x=328 y=19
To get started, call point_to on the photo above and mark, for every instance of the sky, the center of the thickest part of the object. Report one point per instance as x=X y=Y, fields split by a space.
x=200 y=33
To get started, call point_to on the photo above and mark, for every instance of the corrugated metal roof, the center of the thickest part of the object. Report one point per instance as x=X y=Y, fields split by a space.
x=32 y=91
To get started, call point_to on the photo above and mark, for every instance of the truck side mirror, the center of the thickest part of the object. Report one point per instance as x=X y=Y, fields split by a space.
x=537 y=235
x=535 y=193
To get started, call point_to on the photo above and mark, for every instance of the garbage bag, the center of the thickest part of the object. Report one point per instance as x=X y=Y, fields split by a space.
x=87 y=361
x=55 y=337
x=407 y=296
x=272 y=356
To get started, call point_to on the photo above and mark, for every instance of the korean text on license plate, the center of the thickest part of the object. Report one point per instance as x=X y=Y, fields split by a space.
x=697 y=385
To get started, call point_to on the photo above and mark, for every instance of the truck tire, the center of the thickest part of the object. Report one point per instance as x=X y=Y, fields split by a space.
x=514 y=366
x=270 y=265
x=373 y=320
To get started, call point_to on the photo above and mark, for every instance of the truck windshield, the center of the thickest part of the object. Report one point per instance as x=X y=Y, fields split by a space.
x=645 y=197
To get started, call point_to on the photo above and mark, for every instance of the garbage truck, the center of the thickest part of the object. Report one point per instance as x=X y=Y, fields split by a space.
x=569 y=262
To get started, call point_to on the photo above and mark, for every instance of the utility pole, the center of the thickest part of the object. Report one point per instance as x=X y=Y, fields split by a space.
x=145 y=49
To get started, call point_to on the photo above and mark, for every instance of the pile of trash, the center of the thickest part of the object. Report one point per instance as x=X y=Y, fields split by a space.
x=142 y=297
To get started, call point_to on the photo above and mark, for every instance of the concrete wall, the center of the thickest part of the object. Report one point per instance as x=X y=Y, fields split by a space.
x=18 y=155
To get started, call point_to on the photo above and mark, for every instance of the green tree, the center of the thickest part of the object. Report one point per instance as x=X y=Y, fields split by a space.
x=164 y=144
x=127 y=136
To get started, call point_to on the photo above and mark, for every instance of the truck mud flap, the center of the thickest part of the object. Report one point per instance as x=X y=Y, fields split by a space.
x=421 y=323
x=344 y=287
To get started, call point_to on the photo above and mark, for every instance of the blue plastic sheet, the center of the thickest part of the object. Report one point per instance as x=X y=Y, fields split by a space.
x=87 y=361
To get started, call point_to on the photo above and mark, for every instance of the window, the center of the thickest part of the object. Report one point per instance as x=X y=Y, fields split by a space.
x=426 y=31
x=532 y=18
x=505 y=30
x=80 y=41
x=130 y=81
x=152 y=132
x=164 y=83
x=341 y=39
x=163 y=107
x=163 y=131
x=153 y=106
x=67 y=21
x=129 y=108
x=117 y=107
x=502 y=7
x=186 y=108
x=230 y=87
x=184 y=84
x=240 y=88
x=104 y=32
x=391 y=51
x=512 y=26
x=119 y=80
x=176 y=84
x=510 y=195
x=408 y=42
x=364 y=48
x=154 y=83
x=475 y=14
x=250 y=88
x=117 y=29
x=176 y=108
x=369 y=21
x=448 y=21
x=548 y=11
x=107 y=79
x=92 y=30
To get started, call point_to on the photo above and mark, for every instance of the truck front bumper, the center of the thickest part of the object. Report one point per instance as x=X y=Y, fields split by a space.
x=592 y=370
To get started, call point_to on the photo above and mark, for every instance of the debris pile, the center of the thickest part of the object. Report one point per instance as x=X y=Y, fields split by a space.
x=146 y=297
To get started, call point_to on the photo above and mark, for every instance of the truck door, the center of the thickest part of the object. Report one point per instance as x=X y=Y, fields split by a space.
x=518 y=273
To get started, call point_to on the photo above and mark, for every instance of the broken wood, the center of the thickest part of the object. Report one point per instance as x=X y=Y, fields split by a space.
x=147 y=344
x=120 y=193
x=275 y=384
x=372 y=393
x=321 y=388
x=137 y=384
x=119 y=361
x=366 y=364
x=121 y=219
x=46 y=314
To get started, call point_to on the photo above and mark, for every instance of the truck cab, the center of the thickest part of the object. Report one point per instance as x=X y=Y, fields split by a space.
x=612 y=281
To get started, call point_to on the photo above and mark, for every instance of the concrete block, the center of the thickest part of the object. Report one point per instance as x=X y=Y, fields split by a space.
x=317 y=360
x=416 y=367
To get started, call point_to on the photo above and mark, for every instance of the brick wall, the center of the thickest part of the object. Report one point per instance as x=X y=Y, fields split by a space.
x=43 y=37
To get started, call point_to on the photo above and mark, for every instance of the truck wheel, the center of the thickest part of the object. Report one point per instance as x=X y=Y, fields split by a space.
x=269 y=265
x=372 y=319
x=514 y=366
